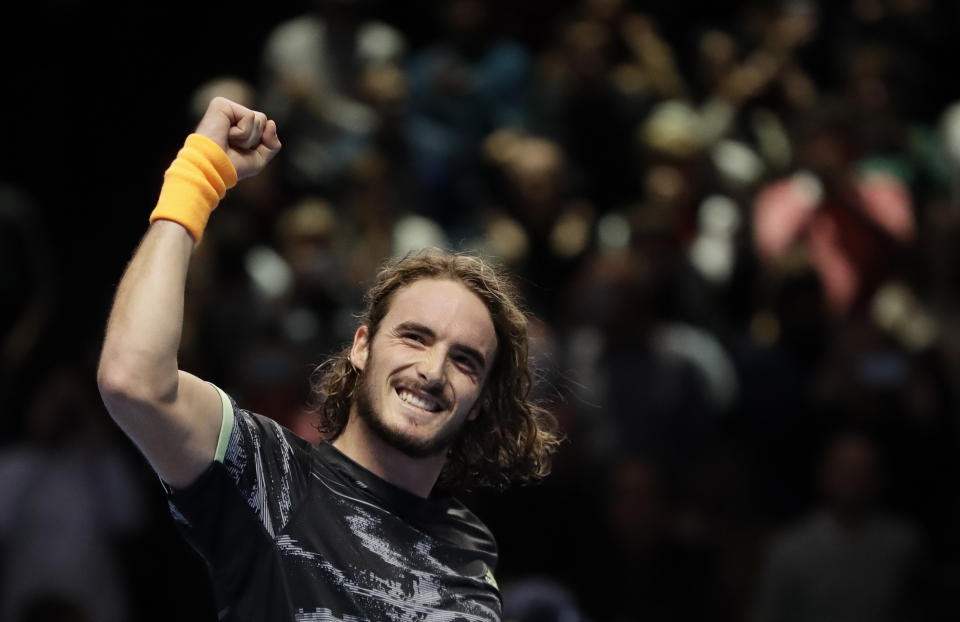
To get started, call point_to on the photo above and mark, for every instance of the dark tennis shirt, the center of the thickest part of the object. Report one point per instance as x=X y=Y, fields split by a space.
x=290 y=531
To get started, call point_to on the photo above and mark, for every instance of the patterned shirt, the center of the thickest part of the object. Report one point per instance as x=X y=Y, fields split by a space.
x=290 y=531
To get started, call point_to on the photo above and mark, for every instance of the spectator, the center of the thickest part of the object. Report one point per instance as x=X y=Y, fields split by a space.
x=29 y=287
x=66 y=494
x=647 y=566
x=851 y=221
x=310 y=86
x=847 y=560
x=462 y=87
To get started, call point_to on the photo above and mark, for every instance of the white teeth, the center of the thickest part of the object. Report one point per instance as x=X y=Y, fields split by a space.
x=415 y=400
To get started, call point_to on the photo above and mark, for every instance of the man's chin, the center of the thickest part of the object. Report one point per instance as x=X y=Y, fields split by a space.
x=406 y=443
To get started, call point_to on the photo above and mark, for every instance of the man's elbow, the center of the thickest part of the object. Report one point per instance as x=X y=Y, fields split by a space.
x=124 y=390
x=118 y=388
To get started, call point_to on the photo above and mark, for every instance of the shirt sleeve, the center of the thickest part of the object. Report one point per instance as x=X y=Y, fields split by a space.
x=260 y=473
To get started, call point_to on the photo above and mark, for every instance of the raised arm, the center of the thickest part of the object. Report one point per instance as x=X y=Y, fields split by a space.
x=171 y=415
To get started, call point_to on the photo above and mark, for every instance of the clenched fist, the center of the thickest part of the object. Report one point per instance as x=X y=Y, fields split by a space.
x=247 y=136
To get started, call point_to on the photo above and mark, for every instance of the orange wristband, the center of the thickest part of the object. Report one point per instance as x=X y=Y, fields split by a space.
x=193 y=185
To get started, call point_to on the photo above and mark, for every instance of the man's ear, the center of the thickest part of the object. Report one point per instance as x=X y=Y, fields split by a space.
x=360 y=349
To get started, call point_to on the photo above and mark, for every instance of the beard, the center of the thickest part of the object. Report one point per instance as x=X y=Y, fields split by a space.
x=406 y=444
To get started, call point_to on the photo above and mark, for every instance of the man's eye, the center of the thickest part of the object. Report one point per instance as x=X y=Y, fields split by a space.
x=414 y=337
x=466 y=364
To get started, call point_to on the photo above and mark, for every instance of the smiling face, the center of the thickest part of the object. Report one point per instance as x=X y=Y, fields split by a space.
x=424 y=369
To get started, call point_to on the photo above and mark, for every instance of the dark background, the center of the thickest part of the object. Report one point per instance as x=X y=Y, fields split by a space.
x=94 y=105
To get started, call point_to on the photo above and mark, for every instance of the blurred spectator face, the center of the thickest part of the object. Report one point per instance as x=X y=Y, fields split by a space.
x=587 y=51
x=850 y=475
x=604 y=10
x=717 y=57
x=464 y=22
x=370 y=193
x=533 y=168
x=61 y=413
x=634 y=503
x=875 y=10
x=868 y=81
x=615 y=292
x=534 y=172
x=384 y=87
x=306 y=233
x=234 y=89
x=665 y=185
x=795 y=26
x=828 y=154
x=673 y=132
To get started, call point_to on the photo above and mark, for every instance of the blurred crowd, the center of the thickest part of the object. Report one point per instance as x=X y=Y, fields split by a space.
x=739 y=242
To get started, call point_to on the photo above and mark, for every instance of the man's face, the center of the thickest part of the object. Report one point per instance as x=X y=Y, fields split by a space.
x=423 y=371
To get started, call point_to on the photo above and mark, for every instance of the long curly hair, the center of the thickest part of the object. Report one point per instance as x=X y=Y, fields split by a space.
x=512 y=439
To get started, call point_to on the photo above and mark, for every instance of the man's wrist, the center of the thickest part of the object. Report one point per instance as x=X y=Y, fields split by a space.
x=194 y=184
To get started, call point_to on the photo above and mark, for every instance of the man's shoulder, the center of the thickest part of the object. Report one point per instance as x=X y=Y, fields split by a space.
x=457 y=525
x=261 y=428
x=459 y=513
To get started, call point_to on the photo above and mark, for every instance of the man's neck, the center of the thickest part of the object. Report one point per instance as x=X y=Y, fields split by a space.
x=415 y=475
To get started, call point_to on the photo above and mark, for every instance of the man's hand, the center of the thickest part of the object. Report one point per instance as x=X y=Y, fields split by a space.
x=247 y=136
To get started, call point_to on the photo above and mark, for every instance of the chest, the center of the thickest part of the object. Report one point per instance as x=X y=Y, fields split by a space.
x=343 y=554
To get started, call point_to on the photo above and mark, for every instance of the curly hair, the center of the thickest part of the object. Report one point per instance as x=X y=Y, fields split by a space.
x=512 y=439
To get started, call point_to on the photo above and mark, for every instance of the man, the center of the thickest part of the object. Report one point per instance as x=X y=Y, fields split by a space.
x=431 y=394
x=848 y=560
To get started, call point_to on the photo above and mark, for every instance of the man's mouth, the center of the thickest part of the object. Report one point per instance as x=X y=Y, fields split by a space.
x=419 y=399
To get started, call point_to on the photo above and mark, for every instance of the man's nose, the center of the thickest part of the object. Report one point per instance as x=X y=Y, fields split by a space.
x=430 y=366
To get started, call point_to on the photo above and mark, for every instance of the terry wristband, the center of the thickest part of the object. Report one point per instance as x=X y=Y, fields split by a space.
x=193 y=185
